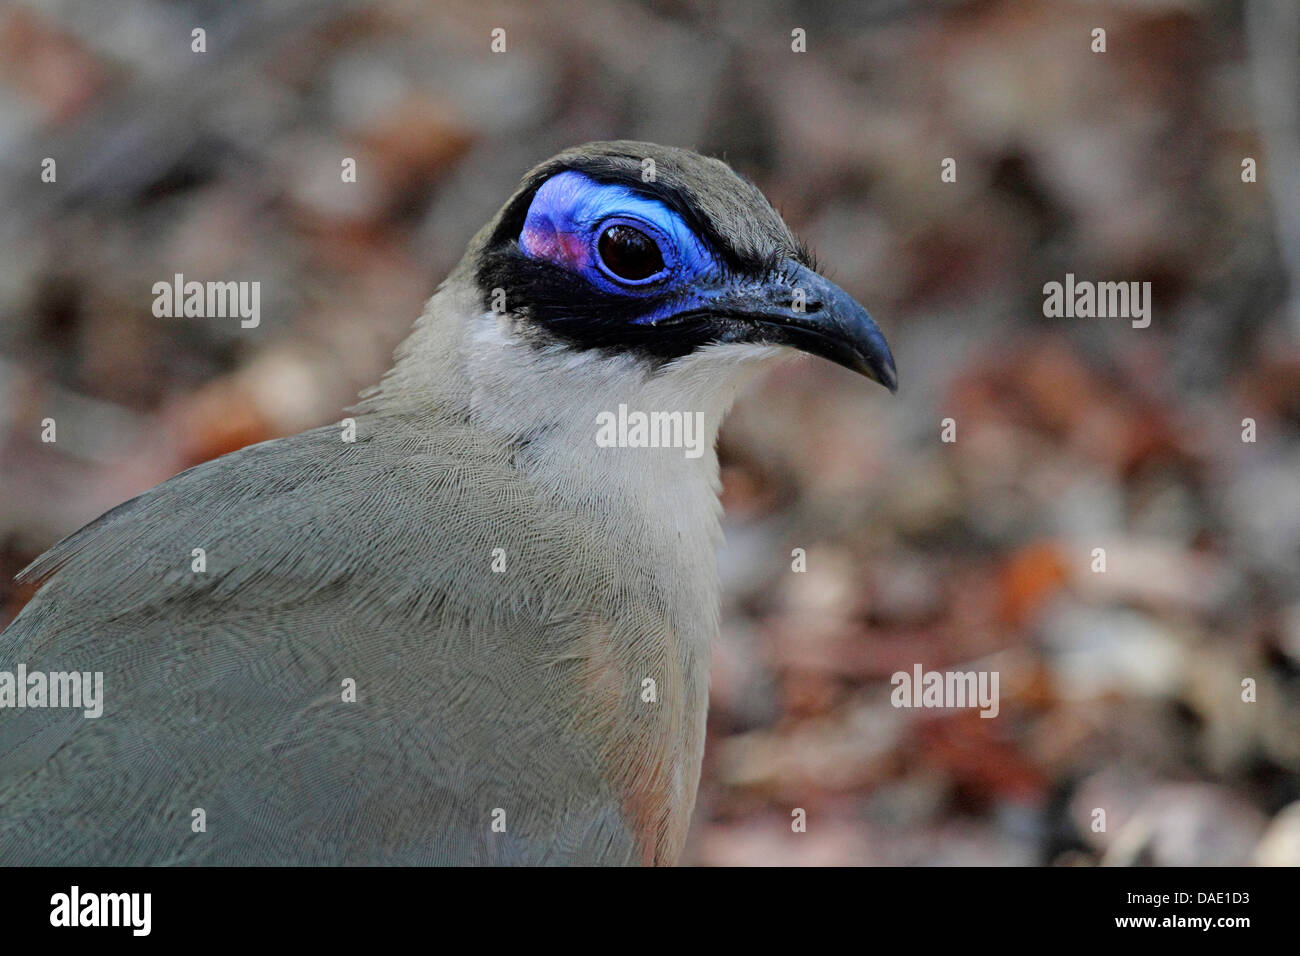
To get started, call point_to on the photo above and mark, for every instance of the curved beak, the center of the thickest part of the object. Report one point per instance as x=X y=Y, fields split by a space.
x=801 y=309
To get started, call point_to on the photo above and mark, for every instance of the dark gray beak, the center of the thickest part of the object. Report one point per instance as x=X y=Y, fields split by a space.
x=825 y=320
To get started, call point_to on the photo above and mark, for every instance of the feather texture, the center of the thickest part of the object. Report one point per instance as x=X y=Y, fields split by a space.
x=514 y=696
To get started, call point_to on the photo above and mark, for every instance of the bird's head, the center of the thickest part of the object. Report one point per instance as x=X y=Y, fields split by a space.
x=632 y=249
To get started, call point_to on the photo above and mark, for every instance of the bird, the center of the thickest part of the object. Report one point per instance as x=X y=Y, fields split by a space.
x=454 y=627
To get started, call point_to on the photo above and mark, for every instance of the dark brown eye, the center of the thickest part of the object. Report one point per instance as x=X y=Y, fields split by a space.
x=629 y=253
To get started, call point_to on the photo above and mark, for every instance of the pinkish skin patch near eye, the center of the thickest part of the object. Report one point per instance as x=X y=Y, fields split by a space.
x=541 y=240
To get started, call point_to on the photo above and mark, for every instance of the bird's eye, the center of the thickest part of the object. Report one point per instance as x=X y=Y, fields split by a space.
x=628 y=253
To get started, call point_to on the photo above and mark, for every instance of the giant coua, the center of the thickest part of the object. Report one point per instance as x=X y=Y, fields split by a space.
x=465 y=630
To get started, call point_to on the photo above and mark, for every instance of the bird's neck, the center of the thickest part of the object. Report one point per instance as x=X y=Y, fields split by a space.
x=610 y=432
x=655 y=508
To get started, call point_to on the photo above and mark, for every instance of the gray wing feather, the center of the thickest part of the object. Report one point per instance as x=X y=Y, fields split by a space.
x=326 y=560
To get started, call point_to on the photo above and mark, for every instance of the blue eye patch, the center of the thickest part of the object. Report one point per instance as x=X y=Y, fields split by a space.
x=581 y=225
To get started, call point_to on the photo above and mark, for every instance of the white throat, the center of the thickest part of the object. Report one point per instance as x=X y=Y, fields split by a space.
x=553 y=400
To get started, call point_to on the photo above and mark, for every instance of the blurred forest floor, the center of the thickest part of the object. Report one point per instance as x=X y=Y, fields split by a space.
x=1119 y=690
